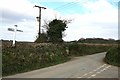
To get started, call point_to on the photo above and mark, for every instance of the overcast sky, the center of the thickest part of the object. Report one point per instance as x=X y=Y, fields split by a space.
x=90 y=18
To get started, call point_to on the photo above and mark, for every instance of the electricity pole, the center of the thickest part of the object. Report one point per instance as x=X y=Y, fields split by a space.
x=39 y=18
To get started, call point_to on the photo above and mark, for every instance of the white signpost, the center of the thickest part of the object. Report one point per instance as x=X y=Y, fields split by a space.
x=14 y=30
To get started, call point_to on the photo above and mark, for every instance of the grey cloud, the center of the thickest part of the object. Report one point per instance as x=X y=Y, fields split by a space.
x=9 y=17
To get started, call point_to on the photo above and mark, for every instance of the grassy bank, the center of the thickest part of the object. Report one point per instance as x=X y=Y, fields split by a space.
x=113 y=56
x=27 y=57
x=83 y=49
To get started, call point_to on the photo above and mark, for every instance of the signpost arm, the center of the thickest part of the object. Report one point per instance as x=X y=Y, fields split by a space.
x=15 y=30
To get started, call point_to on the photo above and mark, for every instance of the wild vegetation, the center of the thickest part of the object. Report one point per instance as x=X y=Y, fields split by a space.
x=98 y=40
x=26 y=57
x=77 y=49
x=113 y=56
x=54 y=31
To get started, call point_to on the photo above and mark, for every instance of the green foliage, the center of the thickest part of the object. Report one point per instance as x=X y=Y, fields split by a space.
x=82 y=49
x=56 y=27
x=97 y=40
x=113 y=56
x=27 y=57
x=42 y=38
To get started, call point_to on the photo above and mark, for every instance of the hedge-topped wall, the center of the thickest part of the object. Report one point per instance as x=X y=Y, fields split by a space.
x=113 y=56
x=26 y=57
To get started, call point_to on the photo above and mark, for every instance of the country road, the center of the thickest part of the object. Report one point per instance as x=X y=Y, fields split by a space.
x=90 y=66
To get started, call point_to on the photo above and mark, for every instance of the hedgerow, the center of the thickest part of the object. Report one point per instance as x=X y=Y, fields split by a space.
x=113 y=56
x=25 y=57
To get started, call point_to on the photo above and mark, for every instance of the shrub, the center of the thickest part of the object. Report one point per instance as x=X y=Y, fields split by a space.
x=113 y=57
x=27 y=57
x=76 y=49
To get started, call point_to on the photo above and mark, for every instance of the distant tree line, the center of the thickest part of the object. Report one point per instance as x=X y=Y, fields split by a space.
x=98 y=40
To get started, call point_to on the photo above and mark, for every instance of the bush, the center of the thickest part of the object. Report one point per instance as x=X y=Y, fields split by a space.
x=42 y=38
x=76 y=49
x=27 y=57
x=113 y=57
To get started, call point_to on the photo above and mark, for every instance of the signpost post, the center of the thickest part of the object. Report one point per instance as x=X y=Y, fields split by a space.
x=14 y=37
